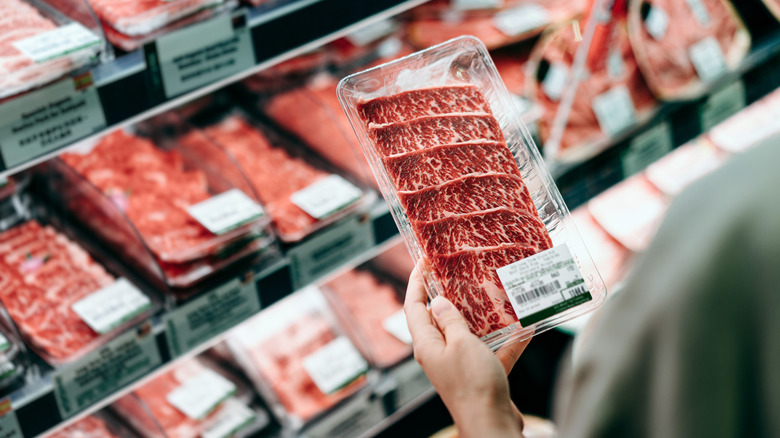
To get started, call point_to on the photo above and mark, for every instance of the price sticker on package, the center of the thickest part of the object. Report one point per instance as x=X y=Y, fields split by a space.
x=614 y=110
x=233 y=417
x=522 y=19
x=657 y=22
x=335 y=365
x=471 y=5
x=555 y=81
x=395 y=324
x=199 y=396
x=708 y=59
x=544 y=285
x=326 y=196
x=57 y=43
x=700 y=12
x=111 y=306
x=225 y=212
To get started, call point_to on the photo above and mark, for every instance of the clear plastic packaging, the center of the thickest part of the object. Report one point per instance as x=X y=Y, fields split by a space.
x=195 y=398
x=100 y=424
x=276 y=347
x=460 y=263
x=42 y=44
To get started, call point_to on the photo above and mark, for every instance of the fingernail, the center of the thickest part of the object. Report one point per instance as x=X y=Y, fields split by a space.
x=440 y=306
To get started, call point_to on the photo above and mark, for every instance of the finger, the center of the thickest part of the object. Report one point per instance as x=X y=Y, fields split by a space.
x=448 y=319
x=418 y=319
x=508 y=354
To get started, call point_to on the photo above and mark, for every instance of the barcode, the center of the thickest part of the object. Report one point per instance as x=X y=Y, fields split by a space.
x=577 y=291
x=547 y=289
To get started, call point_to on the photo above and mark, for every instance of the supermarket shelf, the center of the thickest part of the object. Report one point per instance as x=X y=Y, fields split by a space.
x=57 y=398
x=673 y=125
x=148 y=81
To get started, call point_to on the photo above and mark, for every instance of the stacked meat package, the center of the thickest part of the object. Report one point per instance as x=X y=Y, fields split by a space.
x=428 y=126
x=93 y=426
x=194 y=399
x=298 y=359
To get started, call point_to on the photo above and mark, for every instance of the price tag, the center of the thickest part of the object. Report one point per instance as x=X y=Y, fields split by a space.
x=411 y=382
x=202 y=53
x=555 y=80
x=335 y=365
x=225 y=212
x=111 y=306
x=615 y=65
x=522 y=19
x=471 y=5
x=104 y=371
x=57 y=43
x=544 y=285
x=199 y=396
x=614 y=110
x=351 y=420
x=330 y=249
x=699 y=12
x=708 y=59
x=211 y=314
x=396 y=326
x=646 y=148
x=373 y=32
x=9 y=425
x=233 y=417
x=721 y=105
x=326 y=196
x=42 y=121
x=657 y=22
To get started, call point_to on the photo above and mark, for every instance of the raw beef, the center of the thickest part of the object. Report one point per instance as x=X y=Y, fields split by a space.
x=412 y=104
x=42 y=273
x=138 y=17
x=424 y=132
x=363 y=303
x=88 y=427
x=466 y=203
x=666 y=62
x=467 y=194
x=438 y=164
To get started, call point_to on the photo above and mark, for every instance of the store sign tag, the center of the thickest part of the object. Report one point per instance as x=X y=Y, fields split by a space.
x=395 y=324
x=699 y=12
x=326 y=196
x=111 y=306
x=722 y=104
x=646 y=148
x=200 y=395
x=544 y=285
x=708 y=59
x=410 y=381
x=555 y=81
x=9 y=425
x=351 y=420
x=522 y=19
x=203 y=53
x=44 y=120
x=335 y=365
x=657 y=22
x=227 y=211
x=371 y=33
x=329 y=249
x=104 y=371
x=57 y=43
x=614 y=110
x=234 y=416
x=471 y=5
x=211 y=314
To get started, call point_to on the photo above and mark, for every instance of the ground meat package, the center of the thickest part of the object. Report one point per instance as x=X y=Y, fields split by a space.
x=298 y=358
x=683 y=46
x=97 y=425
x=470 y=193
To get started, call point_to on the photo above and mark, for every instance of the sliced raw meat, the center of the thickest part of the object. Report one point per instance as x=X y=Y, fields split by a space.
x=425 y=132
x=88 y=427
x=468 y=194
x=470 y=282
x=481 y=230
x=439 y=164
x=138 y=17
x=422 y=102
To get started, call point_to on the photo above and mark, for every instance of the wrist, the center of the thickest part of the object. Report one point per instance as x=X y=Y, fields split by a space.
x=489 y=417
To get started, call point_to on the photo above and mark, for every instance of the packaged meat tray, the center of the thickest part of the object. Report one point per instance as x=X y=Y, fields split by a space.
x=145 y=16
x=683 y=46
x=469 y=191
x=371 y=311
x=300 y=195
x=195 y=398
x=38 y=45
x=298 y=359
x=98 y=425
x=55 y=292
x=684 y=165
x=171 y=215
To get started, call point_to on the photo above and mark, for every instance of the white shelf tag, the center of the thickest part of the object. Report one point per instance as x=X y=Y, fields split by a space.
x=111 y=306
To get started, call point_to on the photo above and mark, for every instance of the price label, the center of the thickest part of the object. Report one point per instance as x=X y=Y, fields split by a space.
x=411 y=382
x=9 y=425
x=615 y=65
x=373 y=32
x=111 y=306
x=708 y=59
x=335 y=365
x=202 y=53
x=330 y=249
x=699 y=12
x=233 y=417
x=657 y=22
x=522 y=19
x=42 y=121
x=104 y=371
x=211 y=314
x=396 y=326
x=614 y=110
x=225 y=212
x=350 y=420
x=646 y=148
x=57 y=43
x=555 y=80
x=544 y=285
x=199 y=396
x=326 y=196
x=721 y=105
x=471 y=5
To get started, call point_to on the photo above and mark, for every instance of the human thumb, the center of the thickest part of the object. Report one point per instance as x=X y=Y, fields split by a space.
x=447 y=317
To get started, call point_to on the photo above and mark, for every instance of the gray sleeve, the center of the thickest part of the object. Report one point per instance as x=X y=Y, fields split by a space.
x=691 y=347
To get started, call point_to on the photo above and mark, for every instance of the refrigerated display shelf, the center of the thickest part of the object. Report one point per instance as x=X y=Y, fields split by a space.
x=178 y=67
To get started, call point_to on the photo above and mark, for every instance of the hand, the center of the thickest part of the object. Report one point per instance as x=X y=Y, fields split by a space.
x=470 y=379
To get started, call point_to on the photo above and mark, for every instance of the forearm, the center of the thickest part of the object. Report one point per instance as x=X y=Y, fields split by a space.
x=486 y=419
